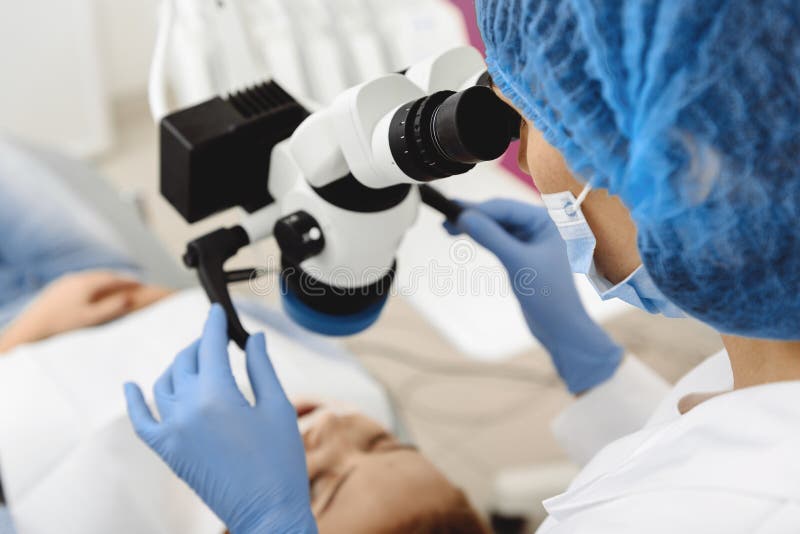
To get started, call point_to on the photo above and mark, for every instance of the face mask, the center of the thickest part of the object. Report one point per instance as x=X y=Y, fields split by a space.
x=637 y=289
x=565 y=210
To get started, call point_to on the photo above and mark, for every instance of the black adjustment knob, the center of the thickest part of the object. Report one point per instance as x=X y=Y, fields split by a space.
x=299 y=236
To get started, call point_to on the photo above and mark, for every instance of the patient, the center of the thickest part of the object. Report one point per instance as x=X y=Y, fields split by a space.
x=73 y=278
x=363 y=480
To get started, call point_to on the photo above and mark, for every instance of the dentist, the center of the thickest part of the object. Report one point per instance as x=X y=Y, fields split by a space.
x=664 y=138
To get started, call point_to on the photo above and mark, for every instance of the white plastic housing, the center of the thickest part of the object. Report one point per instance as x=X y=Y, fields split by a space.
x=452 y=70
x=355 y=115
x=359 y=247
x=351 y=136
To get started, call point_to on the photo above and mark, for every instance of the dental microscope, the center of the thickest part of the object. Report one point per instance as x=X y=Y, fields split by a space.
x=336 y=187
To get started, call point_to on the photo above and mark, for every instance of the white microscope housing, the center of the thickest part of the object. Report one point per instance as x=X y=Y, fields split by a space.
x=343 y=189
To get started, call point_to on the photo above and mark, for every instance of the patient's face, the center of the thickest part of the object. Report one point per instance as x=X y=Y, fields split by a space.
x=364 y=480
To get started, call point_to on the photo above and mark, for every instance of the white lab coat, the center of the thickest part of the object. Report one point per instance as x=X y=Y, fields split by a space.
x=731 y=465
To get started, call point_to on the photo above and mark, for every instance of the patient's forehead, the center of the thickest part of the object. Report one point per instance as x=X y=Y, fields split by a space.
x=385 y=490
x=339 y=408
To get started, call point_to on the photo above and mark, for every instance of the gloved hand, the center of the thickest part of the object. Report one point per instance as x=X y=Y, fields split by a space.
x=246 y=462
x=525 y=240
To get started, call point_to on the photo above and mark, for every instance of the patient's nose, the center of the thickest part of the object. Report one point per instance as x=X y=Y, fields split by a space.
x=327 y=446
x=319 y=462
x=327 y=425
x=327 y=433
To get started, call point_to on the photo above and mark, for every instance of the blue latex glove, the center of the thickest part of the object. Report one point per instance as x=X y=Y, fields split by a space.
x=526 y=241
x=246 y=462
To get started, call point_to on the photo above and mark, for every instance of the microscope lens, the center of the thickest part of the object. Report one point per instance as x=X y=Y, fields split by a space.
x=472 y=126
x=447 y=133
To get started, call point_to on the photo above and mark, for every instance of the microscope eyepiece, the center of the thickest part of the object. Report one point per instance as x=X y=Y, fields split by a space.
x=472 y=126
x=447 y=133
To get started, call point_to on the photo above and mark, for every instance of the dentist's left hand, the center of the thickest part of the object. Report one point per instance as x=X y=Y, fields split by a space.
x=246 y=462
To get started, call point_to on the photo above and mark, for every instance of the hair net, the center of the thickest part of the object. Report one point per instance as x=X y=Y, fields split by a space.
x=689 y=110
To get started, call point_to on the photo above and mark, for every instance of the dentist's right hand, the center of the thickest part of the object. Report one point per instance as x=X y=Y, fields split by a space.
x=246 y=462
x=527 y=243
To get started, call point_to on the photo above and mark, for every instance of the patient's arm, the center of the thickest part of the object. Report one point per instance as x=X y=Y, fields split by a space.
x=76 y=301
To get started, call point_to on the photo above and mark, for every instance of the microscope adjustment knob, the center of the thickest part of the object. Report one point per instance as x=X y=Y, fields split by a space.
x=299 y=236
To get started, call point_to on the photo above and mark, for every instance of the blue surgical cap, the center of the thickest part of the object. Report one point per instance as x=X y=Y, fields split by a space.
x=689 y=110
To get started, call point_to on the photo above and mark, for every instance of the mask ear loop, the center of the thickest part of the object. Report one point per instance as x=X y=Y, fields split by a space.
x=583 y=195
